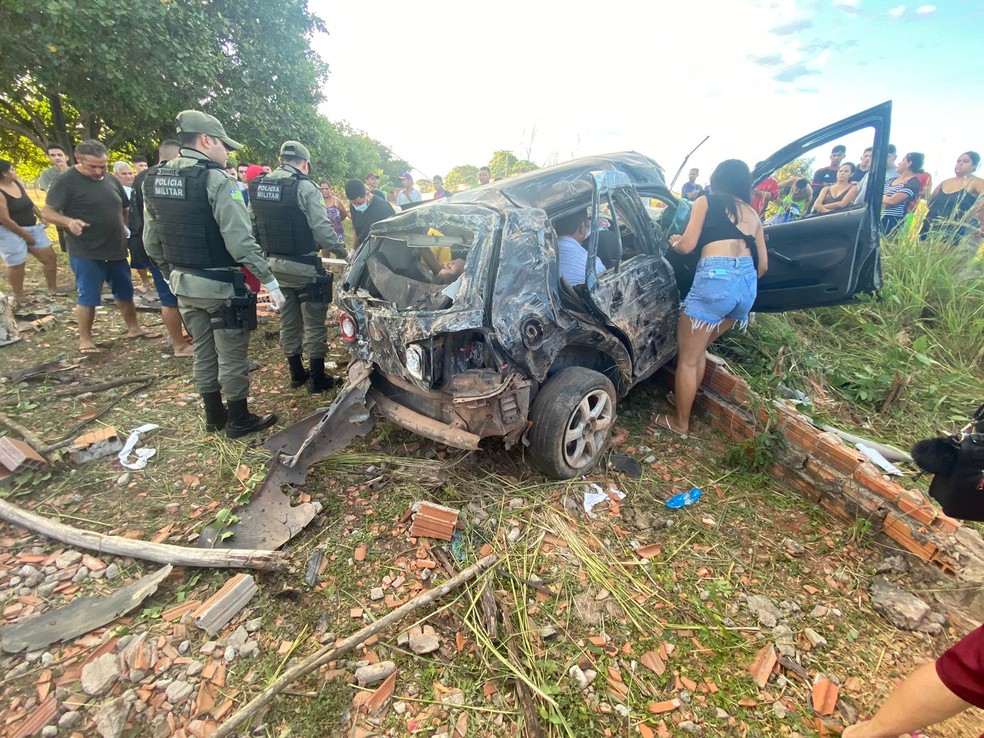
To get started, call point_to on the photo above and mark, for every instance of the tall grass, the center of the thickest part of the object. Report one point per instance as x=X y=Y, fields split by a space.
x=903 y=365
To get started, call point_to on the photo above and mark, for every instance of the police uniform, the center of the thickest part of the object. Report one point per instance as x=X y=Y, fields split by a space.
x=196 y=228
x=291 y=224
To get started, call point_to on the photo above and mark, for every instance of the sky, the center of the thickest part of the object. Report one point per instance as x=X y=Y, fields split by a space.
x=451 y=83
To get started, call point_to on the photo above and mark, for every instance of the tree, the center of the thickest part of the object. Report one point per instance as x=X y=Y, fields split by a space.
x=802 y=167
x=505 y=164
x=462 y=177
x=77 y=70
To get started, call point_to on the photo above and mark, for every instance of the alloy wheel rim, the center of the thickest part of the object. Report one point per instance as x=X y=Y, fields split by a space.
x=587 y=428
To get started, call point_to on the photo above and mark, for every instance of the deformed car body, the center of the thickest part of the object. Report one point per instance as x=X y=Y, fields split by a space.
x=511 y=350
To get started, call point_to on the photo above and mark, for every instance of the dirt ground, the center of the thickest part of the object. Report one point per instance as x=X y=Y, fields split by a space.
x=634 y=622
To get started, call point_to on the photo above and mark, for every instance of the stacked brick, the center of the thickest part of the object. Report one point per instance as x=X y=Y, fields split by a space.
x=823 y=468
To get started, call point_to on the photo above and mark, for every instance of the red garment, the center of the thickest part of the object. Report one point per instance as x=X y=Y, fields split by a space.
x=961 y=668
x=924 y=180
x=252 y=281
x=766 y=185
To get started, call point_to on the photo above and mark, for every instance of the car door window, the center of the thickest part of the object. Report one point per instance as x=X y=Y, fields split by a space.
x=822 y=181
x=823 y=256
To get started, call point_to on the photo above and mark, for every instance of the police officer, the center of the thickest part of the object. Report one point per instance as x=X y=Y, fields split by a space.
x=197 y=229
x=291 y=223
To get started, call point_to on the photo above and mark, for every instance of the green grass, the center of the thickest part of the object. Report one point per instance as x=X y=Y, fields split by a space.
x=905 y=365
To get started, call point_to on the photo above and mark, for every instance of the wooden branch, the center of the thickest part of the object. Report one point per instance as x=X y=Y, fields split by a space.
x=161 y=553
x=330 y=653
x=36 y=443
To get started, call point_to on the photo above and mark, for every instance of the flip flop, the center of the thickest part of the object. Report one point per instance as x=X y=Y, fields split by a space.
x=145 y=336
x=666 y=423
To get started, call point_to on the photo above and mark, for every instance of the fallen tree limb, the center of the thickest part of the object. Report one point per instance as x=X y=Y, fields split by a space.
x=67 y=439
x=161 y=553
x=36 y=443
x=330 y=653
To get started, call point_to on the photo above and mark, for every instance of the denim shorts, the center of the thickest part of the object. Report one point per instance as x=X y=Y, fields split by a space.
x=13 y=248
x=724 y=287
x=91 y=274
x=167 y=297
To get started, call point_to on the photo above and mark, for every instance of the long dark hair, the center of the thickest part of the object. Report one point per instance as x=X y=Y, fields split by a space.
x=916 y=161
x=732 y=179
x=5 y=166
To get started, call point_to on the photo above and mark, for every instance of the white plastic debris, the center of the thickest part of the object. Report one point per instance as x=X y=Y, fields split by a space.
x=142 y=454
x=595 y=495
x=879 y=460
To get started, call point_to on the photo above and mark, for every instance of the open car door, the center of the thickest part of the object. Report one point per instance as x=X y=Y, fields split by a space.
x=827 y=259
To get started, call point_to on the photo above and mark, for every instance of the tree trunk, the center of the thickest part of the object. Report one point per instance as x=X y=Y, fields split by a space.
x=59 y=125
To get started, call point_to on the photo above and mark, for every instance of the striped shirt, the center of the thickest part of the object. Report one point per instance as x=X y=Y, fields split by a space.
x=910 y=187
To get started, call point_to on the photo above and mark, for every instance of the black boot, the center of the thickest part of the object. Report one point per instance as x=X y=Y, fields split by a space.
x=216 y=414
x=298 y=374
x=242 y=421
x=319 y=380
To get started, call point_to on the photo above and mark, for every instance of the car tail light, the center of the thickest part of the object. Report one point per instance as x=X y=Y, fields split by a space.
x=349 y=330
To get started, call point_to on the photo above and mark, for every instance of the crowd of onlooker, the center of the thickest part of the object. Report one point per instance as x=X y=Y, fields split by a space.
x=954 y=208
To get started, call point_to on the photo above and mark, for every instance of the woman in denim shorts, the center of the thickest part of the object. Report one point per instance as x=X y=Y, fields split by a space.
x=21 y=234
x=725 y=229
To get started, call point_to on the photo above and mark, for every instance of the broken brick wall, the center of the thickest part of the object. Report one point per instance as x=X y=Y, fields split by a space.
x=839 y=478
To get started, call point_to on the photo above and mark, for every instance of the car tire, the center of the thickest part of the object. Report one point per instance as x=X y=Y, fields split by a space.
x=572 y=418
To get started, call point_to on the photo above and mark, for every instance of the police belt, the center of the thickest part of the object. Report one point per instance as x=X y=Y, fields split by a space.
x=237 y=279
x=239 y=311
x=306 y=259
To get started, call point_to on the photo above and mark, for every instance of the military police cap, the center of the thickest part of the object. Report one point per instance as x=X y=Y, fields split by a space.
x=295 y=148
x=195 y=121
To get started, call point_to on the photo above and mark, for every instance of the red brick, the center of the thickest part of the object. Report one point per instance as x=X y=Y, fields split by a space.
x=839 y=456
x=922 y=511
x=878 y=485
x=898 y=531
x=946 y=524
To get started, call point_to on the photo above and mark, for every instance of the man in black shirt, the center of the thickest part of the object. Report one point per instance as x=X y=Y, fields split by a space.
x=367 y=208
x=170 y=314
x=93 y=208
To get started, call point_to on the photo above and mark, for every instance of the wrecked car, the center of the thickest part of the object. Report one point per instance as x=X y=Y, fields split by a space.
x=502 y=346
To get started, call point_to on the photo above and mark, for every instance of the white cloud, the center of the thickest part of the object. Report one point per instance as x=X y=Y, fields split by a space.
x=846 y=3
x=821 y=61
x=897 y=11
x=925 y=9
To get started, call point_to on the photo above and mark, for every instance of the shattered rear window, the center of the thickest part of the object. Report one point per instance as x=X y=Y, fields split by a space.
x=424 y=263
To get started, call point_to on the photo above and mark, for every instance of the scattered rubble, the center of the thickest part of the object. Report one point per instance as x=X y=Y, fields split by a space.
x=433 y=521
x=903 y=609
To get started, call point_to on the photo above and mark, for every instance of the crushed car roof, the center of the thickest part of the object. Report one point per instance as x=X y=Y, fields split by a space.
x=557 y=185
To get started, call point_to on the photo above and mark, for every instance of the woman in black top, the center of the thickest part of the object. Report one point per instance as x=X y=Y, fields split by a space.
x=728 y=234
x=21 y=234
x=955 y=201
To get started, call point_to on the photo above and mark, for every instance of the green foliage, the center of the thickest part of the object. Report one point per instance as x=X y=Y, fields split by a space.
x=77 y=70
x=462 y=177
x=904 y=366
x=757 y=453
x=505 y=164
x=796 y=168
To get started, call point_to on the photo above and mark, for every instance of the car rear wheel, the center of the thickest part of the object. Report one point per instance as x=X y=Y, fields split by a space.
x=572 y=418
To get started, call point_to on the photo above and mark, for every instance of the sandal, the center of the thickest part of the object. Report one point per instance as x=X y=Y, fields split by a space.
x=666 y=423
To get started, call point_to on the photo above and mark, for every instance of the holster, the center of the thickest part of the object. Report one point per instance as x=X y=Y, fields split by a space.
x=319 y=290
x=239 y=311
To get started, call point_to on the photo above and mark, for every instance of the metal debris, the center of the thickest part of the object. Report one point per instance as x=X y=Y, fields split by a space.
x=80 y=616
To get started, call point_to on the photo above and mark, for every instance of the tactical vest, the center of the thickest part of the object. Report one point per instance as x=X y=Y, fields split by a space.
x=281 y=226
x=178 y=200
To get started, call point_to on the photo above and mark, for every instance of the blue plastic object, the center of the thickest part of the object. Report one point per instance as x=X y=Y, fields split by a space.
x=684 y=498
